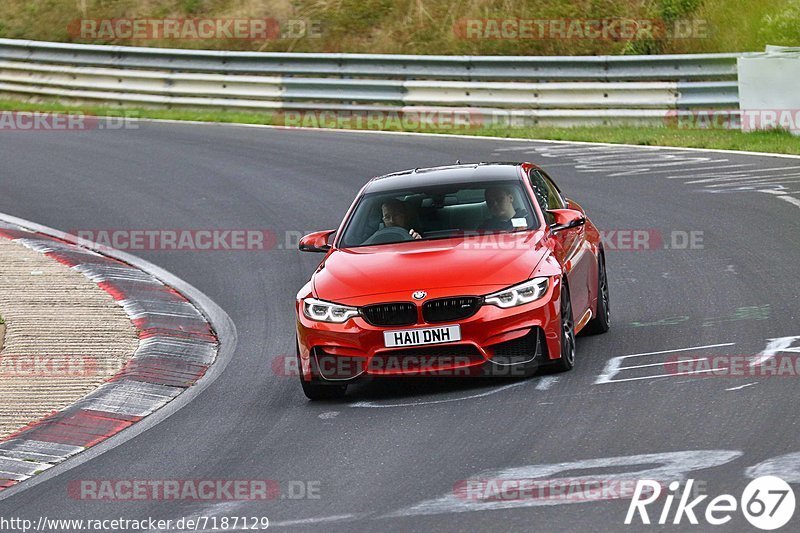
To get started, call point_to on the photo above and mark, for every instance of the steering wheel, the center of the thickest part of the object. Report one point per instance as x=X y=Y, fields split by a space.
x=389 y=234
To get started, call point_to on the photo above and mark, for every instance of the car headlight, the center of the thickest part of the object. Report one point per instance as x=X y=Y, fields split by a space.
x=523 y=293
x=327 y=311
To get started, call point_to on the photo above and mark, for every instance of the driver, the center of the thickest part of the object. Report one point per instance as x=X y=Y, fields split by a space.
x=396 y=214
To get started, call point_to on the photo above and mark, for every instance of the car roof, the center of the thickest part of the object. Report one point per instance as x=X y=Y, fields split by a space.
x=421 y=177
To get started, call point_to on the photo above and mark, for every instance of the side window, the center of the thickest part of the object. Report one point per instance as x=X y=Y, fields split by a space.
x=539 y=187
x=554 y=199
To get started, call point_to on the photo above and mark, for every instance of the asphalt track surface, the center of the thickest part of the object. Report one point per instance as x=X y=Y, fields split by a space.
x=389 y=455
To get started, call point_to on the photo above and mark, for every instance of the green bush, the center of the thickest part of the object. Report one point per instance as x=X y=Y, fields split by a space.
x=672 y=10
x=668 y=12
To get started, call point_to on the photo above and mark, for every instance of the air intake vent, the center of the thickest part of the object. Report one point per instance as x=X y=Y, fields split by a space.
x=390 y=314
x=449 y=309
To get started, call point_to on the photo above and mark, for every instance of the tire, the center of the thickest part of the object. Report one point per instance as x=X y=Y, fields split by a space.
x=314 y=390
x=567 y=360
x=602 y=322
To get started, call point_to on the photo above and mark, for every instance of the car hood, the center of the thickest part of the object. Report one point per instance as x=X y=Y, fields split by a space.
x=439 y=267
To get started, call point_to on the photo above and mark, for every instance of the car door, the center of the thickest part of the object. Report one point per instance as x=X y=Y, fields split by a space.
x=573 y=251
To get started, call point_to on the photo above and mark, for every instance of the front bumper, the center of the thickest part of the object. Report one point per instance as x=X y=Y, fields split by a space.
x=494 y=342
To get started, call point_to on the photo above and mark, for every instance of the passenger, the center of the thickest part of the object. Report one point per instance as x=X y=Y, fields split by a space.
x=500 y=202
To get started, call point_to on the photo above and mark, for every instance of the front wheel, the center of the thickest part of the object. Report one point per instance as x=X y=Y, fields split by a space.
x=567 y=359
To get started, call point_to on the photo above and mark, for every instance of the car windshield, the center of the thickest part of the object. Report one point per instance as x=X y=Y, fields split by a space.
x=439 y=212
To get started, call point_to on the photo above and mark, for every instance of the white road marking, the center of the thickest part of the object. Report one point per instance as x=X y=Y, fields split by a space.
x=690 y=169
x=682 y=349
x=744 y=172
x=780 y=344
x=757 y=184
x=786 y=467
x=605 y=162
x=650 y=168
x=751 y=183
x=737 y=174
x=414 y=404
x=671 y=466
x=660 y=364
x=625 y=160
x=614 y=365
x=792 y=200
x=743 y=386
x=329 y=415
x=546 y=382
x=318 y=520
x=778 y=190
x=660 y=376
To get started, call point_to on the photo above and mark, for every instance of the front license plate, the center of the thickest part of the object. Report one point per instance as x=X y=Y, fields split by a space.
x=415 y=337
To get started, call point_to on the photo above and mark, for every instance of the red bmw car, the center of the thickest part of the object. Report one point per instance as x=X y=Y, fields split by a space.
x=460 y=270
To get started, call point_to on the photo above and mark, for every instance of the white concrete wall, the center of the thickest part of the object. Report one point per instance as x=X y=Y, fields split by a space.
x=769 y=91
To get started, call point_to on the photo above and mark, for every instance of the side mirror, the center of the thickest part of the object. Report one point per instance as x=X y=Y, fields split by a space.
x=317 y=241
x=565 y=219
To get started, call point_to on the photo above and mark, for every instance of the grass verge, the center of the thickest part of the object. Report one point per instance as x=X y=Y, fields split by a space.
x=775 y=141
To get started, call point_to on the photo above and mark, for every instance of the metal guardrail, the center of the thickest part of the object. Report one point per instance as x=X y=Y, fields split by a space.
x=552 y=90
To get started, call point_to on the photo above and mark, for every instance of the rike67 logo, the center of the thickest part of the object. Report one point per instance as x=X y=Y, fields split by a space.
x=767 y=503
